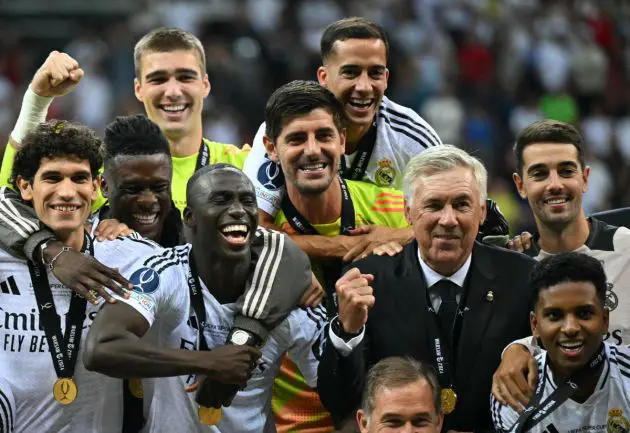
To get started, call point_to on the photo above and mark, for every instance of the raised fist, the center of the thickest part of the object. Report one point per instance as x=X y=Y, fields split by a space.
x=57 y=76
x=355 y=298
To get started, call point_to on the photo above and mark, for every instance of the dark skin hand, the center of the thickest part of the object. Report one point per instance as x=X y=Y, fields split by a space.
x=515 y=380
x=85 y=275
x=114 y=347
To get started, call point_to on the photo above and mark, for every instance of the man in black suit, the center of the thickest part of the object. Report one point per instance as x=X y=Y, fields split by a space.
x=445 y=299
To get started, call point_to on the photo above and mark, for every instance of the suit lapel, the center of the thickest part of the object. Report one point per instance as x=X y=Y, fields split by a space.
x=411 y=300
x=477 y=311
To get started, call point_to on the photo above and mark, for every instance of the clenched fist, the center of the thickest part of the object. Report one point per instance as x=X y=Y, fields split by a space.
x=57 y=76
x=355 y=298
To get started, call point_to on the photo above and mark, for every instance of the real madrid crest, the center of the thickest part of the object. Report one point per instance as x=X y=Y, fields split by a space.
x=385 y=174
x=617 y=423
x=611 y=297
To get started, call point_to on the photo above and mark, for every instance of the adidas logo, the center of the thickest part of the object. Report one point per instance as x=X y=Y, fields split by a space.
x=9 y=287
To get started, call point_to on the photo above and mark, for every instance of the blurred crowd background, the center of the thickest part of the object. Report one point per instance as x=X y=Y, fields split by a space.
x=477 y=70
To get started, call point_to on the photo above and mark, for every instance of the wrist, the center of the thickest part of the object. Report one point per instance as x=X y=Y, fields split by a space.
x=344 y=332
x=49 y=250
x=33 y=111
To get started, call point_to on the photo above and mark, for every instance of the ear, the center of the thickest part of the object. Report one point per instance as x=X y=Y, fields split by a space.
x=533 y=323
x=271 y=149
x=137 y=89
x=206 y=85
x=386 y=78
x=519 y=185
x=362 y=421
x=189 y=217
x=322 y=75
x=104 y=187
x=408 y=212
x=440 y=420
x=342 y=136
x=25 y=187
x=96 y=185
x=585 y=175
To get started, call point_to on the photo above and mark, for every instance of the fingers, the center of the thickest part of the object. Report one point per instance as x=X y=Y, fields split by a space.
x=390 y=248
x=312 y=297
x=107 y=278
x=363 y=230
x=532 y=375
x=353 y=279
x=357 y=252
x=111 y=229
x=516 y=244
x=526 y=240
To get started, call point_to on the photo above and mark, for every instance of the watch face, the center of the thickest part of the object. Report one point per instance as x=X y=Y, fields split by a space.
x=239 y=337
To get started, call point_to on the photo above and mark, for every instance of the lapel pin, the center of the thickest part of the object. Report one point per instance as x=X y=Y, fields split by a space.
x=490 y=296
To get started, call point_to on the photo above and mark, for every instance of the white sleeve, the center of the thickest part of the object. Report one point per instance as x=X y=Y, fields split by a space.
x=307 y=335
x=151 y=291
x=265 y=174
x=344 y=348
x=529 y=342
x=503 y=417
x=7 y=407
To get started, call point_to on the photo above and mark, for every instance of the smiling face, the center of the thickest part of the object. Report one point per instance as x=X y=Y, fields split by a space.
x=309 y=150
x=172 y=87
x=62 y=193
x=445 y=214
x=408 y=408
x=356 y=73
x=553 y=183
x=571 y=321
x=222 y=213
x=139 y=191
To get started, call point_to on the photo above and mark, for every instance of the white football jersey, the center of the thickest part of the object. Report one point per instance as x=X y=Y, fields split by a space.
x=400 y=134
x=7 y=406
x=606 y=410
x=163 y=299
x=25 y=360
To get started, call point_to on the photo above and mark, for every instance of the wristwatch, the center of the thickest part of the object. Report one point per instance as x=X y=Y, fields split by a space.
x=240 y=337
x=340 y=332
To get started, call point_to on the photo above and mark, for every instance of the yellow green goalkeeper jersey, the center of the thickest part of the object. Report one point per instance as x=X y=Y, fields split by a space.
x=296 y=406
x=183 y=168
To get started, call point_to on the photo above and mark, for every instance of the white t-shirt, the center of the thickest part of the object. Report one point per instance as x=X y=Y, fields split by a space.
x=606 y=410
x=25 y=360
x=164 y=301
x=400 y=134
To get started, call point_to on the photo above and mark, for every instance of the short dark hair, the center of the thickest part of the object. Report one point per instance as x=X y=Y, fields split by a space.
x=208 y=169
x=133 y=135
x=351 y=28
x=397 y=371
x=166 y=40
x=568 y=267
x=299 y=98
x=52 y=140
x=548 y=131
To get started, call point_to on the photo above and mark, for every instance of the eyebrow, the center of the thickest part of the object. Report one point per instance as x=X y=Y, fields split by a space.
x=58 y=173
x=379 y=68
x=164 y=72
x=421 y=415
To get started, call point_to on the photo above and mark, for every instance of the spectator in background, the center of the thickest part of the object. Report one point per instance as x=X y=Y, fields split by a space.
x=401 y=395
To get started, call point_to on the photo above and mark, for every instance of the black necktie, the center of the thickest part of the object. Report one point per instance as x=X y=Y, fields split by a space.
x=447 y=290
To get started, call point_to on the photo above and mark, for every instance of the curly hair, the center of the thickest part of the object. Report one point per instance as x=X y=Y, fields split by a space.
x=56 y=139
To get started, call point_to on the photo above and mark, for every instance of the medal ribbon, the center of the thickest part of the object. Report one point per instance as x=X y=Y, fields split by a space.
x=196 y=299
x=63 y=351
x=362 y=158
x=331 y=268
x=536 y=411
x=203 y=158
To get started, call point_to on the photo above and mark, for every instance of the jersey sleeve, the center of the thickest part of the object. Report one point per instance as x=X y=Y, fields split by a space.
x=503 y=417
x=7 y=407
x=265 y=174
x=7 y=165
x=306 y=331
x=20 y=229
x=228 y=153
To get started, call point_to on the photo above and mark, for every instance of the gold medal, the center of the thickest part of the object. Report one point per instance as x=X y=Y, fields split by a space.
x=135 y=387
x=209 y=415
x=65 y=390
x=449 y=400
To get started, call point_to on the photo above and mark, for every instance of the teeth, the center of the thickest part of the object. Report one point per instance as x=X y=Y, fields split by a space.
x=144 y=218
x=65 y=208
x=173 y=108
x=235 y=228
x=574 y=345
x=313 y=167
x=362 y=103
x=556 y=201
